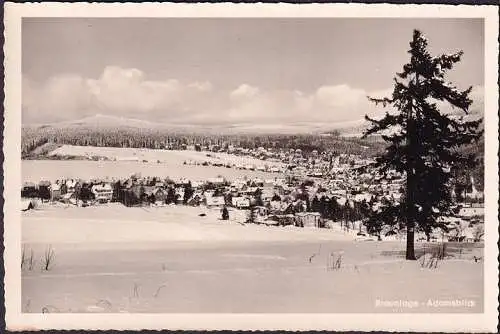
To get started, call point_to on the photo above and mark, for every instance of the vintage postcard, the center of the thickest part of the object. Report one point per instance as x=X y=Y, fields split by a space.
x=229 y=166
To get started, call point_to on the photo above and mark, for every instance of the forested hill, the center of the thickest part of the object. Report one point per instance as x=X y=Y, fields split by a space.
x=37 y=141
x=33 y=137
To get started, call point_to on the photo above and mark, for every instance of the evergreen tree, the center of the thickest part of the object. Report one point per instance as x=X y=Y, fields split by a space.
x=258 y=197
x=86 y=193
x=171 y=196
x=188 y=192
x=276 y=197
x=423 y=141
x=334 y=209
x=315 y=205
x=323 y=207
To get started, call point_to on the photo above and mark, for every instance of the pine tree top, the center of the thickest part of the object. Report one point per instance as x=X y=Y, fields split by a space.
x=423 y=141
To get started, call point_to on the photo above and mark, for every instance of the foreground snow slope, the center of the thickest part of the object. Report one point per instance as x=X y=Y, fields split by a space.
x=115 y=223
x=117 y=259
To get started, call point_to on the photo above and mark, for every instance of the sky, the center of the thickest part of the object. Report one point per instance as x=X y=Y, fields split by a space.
x=210 y=71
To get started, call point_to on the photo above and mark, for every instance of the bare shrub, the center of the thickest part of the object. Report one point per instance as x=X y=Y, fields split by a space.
x=157 y=293
x=431 y=260
x=440 y=251
x=48 y=258
x=334 y=261
x=50 y=309
x=31 y=260
x=136 y=290
x=338 y=262
x=23 y=257
x=27 y=307
x=27 y=259
x=315 y=254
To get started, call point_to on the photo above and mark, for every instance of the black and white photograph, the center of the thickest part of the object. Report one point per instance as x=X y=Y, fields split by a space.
x=252 y=165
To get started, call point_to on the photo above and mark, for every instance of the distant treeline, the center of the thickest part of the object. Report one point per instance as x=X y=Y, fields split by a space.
x=161 y=139
x=37 y=141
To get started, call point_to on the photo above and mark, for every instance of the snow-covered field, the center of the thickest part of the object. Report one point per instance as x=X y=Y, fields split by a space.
x=170 y=259
x=36 y=170
x=161 y=163
x=175 y=157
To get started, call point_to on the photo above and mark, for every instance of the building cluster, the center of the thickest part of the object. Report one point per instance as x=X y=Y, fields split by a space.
x=275 y=201
x=307 y=192
x=293 y=161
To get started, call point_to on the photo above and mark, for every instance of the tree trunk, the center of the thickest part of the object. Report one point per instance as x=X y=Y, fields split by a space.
x=410 y=186
x=410 y=212
x=410 y=243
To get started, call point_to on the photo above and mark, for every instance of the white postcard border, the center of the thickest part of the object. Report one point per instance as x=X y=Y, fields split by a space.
x=364 y=322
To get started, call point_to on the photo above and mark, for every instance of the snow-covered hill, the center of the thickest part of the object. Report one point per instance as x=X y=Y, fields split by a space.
x=99 y=121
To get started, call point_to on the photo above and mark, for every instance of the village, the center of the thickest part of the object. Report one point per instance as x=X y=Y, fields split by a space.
x=312 y=189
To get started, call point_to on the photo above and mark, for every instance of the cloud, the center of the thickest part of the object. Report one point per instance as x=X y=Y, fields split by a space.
x=66 y=94
x=117 y=91
x=128 y=92
x=340 y=96
x=244 y=92
x=204 y=86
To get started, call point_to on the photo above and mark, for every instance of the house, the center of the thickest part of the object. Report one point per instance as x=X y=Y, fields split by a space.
x=310 y=219
x=196 y=184
x=196 y=199
x=29 y=189
x=215 y=201
x=469 y=235
x=282 y=220
x=179 y=194
x=216 y=180
x=471 y=211
x=238 y=184
x=277 y=207
x=55 y=191
x=160 y=195
x=240 y=202
x=70 y=186
x=258 y=214
x=249 y=190
x=267 y=194
x=103 y=192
